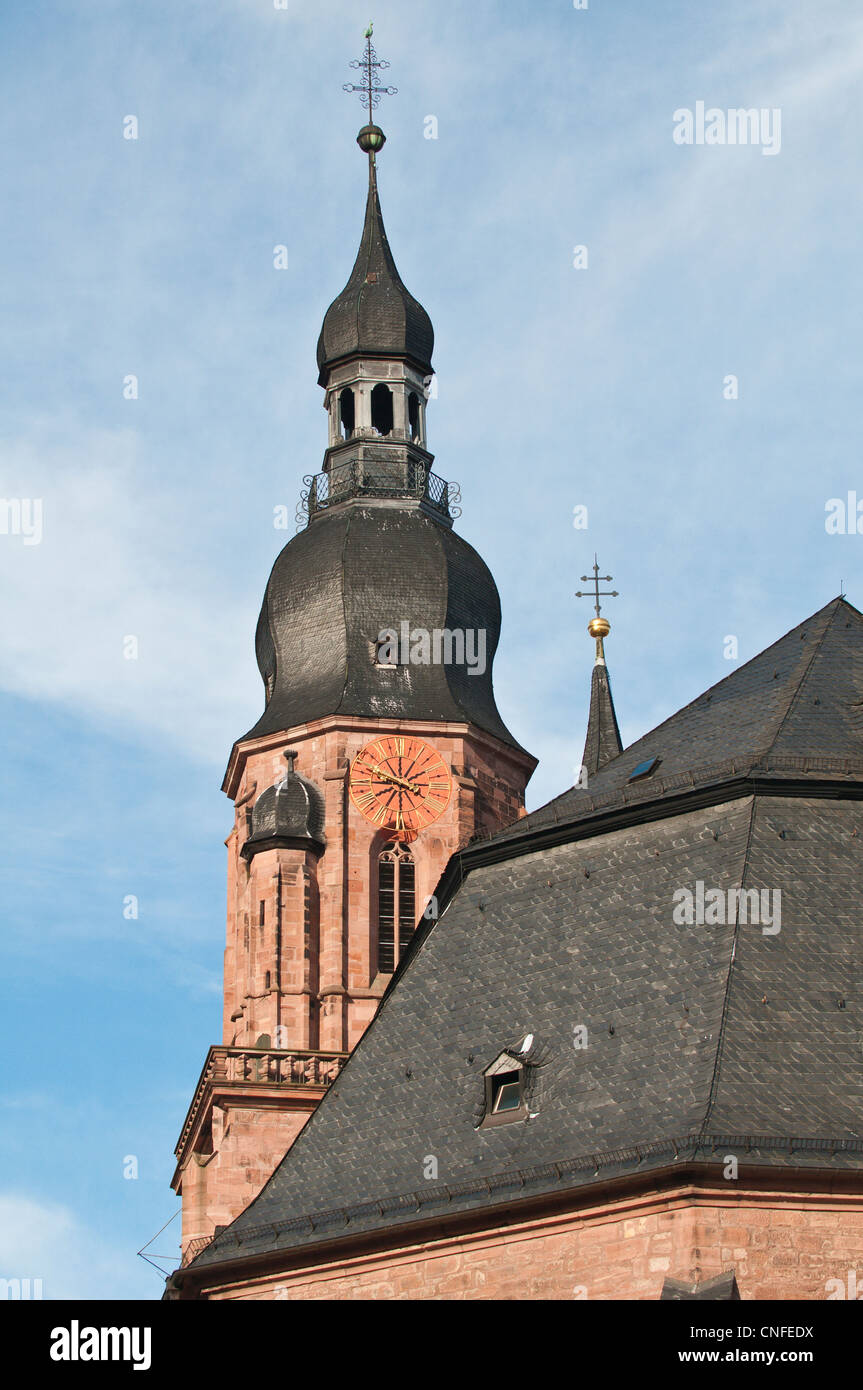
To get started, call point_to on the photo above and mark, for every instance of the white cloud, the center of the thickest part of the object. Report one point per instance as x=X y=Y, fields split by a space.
x=46 y=1241
x=120 y=558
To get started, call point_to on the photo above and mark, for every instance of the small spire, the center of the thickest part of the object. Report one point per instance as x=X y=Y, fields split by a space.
x=374 y=314
x=603 y=735
x=290 y=758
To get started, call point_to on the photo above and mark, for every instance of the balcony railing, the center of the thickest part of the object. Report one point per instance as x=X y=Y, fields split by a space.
x=365 y=477
x=276 y=1068
x=263 y=1067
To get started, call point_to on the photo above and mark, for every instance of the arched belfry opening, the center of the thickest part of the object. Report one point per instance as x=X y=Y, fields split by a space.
x=414 y=417
x=382 y=409
x=347 y=413
x=396 y=904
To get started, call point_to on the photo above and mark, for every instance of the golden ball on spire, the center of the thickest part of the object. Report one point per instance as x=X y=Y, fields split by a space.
x=599 y=627
x=371 y=139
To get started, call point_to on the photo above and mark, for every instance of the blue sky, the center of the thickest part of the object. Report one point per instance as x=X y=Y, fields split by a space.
x=556 y=387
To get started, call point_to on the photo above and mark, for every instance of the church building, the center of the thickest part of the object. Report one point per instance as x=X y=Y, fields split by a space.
x=609 y=1049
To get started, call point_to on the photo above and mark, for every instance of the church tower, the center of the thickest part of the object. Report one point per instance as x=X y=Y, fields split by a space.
x=380 y=751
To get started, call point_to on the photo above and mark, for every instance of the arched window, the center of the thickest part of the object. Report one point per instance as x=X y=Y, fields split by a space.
x=396 y=905
x=414 y=416
x=346 y=412
x=382 y=408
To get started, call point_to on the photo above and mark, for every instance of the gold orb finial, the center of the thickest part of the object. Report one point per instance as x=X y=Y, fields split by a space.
x=371 y=139
x=598 y=627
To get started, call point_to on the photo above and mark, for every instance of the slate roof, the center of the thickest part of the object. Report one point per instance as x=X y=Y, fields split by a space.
x=797 y=707
x=337 y=585
x=290 y=812
x=698 y=1036
x=602 y=742
x=375 y=315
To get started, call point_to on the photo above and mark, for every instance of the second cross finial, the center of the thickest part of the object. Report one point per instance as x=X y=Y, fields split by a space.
x=598 y=626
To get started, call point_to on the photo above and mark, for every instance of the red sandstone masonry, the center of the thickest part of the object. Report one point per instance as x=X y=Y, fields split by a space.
x=309 y=968
x=606 y=1256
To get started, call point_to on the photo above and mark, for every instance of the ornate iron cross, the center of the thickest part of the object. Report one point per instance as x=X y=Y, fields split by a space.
x=370 y=91
x=596 y=581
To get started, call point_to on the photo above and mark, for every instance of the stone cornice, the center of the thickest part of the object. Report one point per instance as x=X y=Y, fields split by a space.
x=268 y=1076
x=685 y=1169
x=623 y=814
x=340 y=723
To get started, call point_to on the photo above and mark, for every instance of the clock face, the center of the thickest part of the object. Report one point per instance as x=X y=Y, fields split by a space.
x=401 y=784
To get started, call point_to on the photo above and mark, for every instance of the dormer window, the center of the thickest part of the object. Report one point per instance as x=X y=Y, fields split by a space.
x=387 y=651
x=505 y=1091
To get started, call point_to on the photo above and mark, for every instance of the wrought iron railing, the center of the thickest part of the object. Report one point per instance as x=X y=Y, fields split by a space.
x=364 y=477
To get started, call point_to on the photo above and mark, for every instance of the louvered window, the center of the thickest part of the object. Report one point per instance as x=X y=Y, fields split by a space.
x=396 y=905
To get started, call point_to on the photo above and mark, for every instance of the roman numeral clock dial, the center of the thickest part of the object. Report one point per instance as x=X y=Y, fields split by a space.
x=400 y=784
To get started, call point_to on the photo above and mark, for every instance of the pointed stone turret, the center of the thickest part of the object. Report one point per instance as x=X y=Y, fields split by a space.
x=603 y=736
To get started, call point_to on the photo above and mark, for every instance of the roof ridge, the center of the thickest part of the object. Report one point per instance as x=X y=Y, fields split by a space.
x=723 y=1018
x=738 y=670
x=804 y=678
x=362 y=264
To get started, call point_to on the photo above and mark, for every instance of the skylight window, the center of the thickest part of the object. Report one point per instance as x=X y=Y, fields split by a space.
x=644 y=769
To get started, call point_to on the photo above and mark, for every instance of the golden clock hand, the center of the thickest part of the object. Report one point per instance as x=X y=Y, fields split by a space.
x=399 y=782
x=396 y=781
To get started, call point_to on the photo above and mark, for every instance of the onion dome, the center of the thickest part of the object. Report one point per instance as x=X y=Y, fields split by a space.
x=289 y=815
x=356 y=572
x=379 y=555
x=375 y=316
